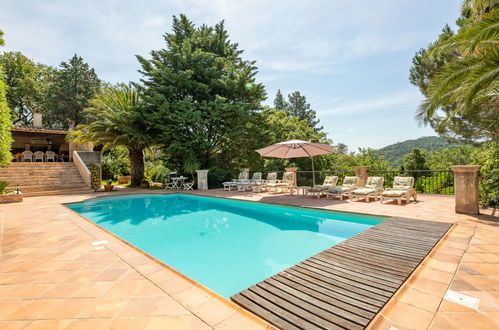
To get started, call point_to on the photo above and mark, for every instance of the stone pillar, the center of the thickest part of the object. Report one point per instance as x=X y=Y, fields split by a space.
x=202 y=179
x=466 y=188
x=362 y=172
x=294 y=170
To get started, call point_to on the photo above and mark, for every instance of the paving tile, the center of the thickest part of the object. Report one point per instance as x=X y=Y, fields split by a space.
x=213 y=311
x=420 y=299
x=175 y=322
x=105 y=307
x=129 y=323
x=241 y=322
x=408 y=315
x=444 y=320
x=85 y=324
x=192 y=297
x=32 y=310
x=48 y=324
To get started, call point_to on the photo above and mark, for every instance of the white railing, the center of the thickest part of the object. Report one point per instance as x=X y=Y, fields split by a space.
x=82 y=168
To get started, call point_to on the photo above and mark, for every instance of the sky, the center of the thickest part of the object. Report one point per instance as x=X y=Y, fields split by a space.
x=351 y=59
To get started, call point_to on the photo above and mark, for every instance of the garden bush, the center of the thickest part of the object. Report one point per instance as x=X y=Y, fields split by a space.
x=217 y=176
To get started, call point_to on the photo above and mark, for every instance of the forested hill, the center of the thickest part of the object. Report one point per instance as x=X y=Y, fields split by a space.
x=395 y=152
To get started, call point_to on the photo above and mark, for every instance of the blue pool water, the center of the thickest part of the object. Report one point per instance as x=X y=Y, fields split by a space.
x=226 y=245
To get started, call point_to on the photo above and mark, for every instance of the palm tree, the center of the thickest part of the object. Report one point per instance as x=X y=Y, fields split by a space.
x=470 y=83
x=116 y=123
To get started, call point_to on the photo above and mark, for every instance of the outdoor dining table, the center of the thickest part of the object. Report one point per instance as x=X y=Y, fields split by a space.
x=178 y=182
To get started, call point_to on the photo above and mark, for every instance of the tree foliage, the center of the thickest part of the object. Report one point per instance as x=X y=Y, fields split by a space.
x=117 y=123
x=5 y=124
x=297 y=106
x=74 y=83
x=488 y=157
x=200 y=95
x=27 y=82
x=458 y=75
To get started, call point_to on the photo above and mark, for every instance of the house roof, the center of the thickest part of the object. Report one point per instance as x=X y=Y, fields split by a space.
x=39 y=130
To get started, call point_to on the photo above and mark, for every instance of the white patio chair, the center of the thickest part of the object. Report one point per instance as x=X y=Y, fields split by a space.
x=39 y=155
x=50 y=155
x=27 y=156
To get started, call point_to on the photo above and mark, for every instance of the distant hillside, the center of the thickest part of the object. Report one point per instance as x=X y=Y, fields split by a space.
x=395 y=152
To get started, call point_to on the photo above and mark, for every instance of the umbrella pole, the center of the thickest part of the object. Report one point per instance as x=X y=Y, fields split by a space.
x=313 y=172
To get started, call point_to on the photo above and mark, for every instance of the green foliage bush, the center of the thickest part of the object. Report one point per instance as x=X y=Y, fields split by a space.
x=488 y=157
x=156 y=171
x=217 y=176
x=5 y=126
x=3 y=185
x=115 y=163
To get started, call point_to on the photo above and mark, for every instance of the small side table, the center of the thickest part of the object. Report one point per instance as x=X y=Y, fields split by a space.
x=304 y=190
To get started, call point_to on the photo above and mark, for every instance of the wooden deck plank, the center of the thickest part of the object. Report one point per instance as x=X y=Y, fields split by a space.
x=345 y=286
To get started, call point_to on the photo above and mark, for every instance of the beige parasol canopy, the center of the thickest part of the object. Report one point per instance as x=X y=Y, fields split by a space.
x=296 y=149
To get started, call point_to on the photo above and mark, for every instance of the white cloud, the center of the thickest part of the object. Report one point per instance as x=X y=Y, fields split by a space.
x=405 y=97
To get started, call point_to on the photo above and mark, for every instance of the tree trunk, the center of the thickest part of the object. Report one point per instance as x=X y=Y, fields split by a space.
x=137 y=166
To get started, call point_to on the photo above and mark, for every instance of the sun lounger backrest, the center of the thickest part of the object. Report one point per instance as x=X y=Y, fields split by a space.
x=375 y=182
x=272 y=176
x=330 y=180
x=403 y=182
x=350 y=181
x=257 y=176
x=243 y=176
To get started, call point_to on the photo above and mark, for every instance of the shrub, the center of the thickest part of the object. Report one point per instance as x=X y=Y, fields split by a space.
x=115 y=163
x=3 y=185
x=488 y=157
x=217 y=176
x=5 y=125
x=155 y=171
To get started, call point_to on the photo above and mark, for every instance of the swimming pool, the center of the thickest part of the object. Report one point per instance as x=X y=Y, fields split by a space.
x=226 y=245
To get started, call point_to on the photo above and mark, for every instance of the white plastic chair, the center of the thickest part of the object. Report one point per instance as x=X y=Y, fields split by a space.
x=50 y=155
x=39 y=155
x=27 y=155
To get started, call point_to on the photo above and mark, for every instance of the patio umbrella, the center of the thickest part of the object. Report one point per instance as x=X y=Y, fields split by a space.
x=296 y=149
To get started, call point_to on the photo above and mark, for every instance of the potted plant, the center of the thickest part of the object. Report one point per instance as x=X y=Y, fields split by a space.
x=8 y=196
x=144 y=183
x=109 y=186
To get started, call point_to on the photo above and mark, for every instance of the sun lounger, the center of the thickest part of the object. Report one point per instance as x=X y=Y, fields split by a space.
x=373 y=188
x=243 y=176
x=246 y=185
x=286 y=182
x=349 y=183
x=402 y=189
x=329 y=182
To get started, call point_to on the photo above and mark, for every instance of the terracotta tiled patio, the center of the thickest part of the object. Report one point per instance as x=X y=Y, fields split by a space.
x=52 y=277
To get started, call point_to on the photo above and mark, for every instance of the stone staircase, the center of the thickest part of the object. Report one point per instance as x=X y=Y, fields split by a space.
x=36 y=179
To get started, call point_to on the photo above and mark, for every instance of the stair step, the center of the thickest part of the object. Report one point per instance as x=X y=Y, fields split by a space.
x=58 y=192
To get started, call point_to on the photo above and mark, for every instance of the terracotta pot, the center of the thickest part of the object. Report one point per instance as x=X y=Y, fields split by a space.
x=144 y=185
x=124 y=179
x=108 y=187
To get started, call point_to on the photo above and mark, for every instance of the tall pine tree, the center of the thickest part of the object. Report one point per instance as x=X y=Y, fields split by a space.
x=200 y=95
x=74 y=84
x=280 y=103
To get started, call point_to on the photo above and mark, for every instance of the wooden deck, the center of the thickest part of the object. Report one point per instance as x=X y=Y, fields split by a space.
x=345 y=286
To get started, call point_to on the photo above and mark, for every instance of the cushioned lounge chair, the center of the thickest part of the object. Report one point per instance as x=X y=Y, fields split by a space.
x=373 y=188
x=285 y=183
x=319 y=189
x=243 y=176
x=349 y=183
x=246 y=185
x=262 y=184
x=402 y=189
